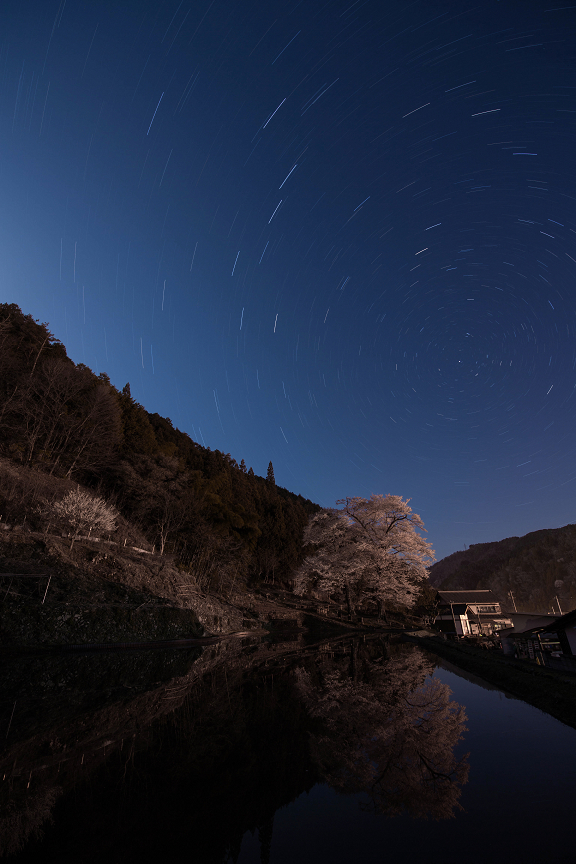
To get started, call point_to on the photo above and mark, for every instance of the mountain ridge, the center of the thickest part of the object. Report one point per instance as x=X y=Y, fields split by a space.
x=538 y=569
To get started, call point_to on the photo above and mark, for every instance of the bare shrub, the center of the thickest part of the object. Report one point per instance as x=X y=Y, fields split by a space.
x=82 y=511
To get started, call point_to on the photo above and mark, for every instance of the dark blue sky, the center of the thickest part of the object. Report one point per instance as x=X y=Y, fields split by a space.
x=341 y=237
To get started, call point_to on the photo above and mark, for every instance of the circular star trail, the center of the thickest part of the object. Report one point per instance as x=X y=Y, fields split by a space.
x=340 y=236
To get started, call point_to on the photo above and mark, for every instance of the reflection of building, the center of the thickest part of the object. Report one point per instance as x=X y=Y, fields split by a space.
x=551 y=643
x=565 y=628
x=469 y=613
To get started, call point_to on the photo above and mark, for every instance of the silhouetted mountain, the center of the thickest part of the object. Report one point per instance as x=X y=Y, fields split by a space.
x=536 y=568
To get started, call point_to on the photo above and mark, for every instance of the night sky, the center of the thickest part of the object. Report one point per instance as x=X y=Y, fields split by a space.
x=341 y=237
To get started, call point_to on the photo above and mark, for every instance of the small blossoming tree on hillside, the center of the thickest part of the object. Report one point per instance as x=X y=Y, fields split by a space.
x=82 y=511
x=370 y=548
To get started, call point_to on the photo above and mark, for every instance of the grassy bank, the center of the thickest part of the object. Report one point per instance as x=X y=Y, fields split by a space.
x=550 y=691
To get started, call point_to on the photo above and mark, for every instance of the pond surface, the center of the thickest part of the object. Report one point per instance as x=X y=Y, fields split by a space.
x=354 y=750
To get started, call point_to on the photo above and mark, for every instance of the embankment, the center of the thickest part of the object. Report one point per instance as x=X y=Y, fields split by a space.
x=51 y=595
x=550 y=691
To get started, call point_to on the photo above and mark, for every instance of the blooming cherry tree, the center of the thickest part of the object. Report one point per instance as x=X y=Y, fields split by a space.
x=369 y=548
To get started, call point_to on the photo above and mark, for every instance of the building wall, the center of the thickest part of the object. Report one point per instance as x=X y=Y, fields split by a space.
x=494 y=608
x=571 y=637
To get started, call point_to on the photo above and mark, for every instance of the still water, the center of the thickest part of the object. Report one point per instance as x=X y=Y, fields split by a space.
x=351 y=750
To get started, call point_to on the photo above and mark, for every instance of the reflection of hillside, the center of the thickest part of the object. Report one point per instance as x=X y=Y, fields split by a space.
x=92 y=716
x=184 y=754
x=63 y=717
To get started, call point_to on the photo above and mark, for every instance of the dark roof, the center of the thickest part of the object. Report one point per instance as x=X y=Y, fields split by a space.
x=562 y=623
x=471 y=596
x=568 y=620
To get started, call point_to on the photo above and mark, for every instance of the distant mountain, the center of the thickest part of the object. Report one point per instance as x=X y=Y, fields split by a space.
x=536 y=568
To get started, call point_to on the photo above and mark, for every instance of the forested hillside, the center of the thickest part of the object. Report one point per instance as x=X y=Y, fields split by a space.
x=217 y=517
x=536 y=568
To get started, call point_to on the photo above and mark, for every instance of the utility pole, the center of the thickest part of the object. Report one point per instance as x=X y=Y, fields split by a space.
x=513 y=601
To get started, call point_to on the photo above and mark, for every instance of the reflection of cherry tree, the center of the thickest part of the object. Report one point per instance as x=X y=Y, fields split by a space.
x=392 y=736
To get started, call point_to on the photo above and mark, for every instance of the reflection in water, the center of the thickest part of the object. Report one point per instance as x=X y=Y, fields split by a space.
x=186 y=752
x=62 y=717
x=388 y=729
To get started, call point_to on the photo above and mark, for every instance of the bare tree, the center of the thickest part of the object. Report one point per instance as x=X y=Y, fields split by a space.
x=93 y=432
x=161 y=495
x=83 y=511
x=63 y=416
x=170 y=515
x=369 y=548
x=9 y=391
x=45 y=406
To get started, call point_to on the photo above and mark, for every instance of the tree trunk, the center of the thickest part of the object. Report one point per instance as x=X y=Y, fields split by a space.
x=381 y=610
x=349 y=602
x=354 y=662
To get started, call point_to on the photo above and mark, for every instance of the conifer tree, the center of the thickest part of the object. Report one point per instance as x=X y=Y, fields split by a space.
x=270 y=474
x=251 y=472
x=243 y=466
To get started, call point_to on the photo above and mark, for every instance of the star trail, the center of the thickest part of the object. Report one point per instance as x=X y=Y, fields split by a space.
x=341 y=237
